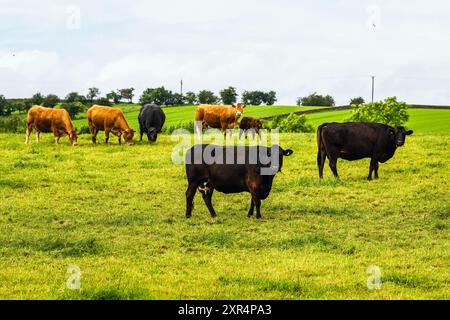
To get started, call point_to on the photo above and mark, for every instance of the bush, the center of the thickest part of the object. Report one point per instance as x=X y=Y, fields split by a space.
x=389 y=111
x=84 y=129
x=295 y=123
x=189 y=126
x=13 y=124
x=73 y=108
x=50 y=101
x=6 y=107
x=103 y=102
x=316 y=100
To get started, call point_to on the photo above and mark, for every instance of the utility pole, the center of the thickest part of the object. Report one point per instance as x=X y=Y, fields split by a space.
x=373 y=87
x=181 y=87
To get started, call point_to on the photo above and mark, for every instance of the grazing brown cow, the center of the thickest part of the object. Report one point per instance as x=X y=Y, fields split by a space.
x=249 y=124
x=217 y=116
x=101 y=118
x=50 y=120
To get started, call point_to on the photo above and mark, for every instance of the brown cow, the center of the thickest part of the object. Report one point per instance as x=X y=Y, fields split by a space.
x=102 y=118
x=218 y=116
x=249 y=124
x=50 y=120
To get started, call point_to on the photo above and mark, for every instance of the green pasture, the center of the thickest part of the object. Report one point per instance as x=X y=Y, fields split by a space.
x=118 y=213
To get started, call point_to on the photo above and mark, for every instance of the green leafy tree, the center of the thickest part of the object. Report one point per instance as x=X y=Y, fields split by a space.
x=356 y=101
x=75 y=97
x=254 y=98
x=50 y=101
x=113 y=96
x=228 y=95
x=103 y=101
x=37 y=99
x=207 y=97
x=126 y=93
x=159 y=96
x=92 y=94
x=177 y=99
x=190 y=97
x=73 y=108
x=6 y=107
x=269 y=98
x=390 y=112
x=315 y=99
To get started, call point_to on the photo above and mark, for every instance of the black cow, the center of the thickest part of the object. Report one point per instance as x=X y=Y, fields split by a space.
x=232 y=169
x=151 y=121
x=357 y=140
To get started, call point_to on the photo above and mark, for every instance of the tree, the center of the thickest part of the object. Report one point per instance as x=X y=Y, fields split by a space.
x=75 y=97
x=5 y=106
x=103 y=101
x=73 y=108
x=270 y=97
x=113 y=96
x=190 y=97
x=390 y=112
x=356 y=101
x=229 y=95
x=254 y=98
x=37 y=99
x=92 y=94
x=159 y=96
x=207 y=97
x=315 y=99
x=126 y=93
x=50 y=101
x=177 y=99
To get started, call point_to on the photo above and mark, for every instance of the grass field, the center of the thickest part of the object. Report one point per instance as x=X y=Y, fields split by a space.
x=177 y=115
x=117 y=212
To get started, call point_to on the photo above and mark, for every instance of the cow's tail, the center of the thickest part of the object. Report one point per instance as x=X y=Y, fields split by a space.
x=321 y=150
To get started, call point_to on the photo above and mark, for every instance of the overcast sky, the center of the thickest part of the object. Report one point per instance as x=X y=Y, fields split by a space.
x=292 y=47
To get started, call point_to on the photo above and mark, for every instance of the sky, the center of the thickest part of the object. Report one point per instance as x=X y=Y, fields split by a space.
x=293 y=47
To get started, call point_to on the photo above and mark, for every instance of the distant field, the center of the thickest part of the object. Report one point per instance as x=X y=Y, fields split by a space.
x=421 y=120
x=176 y=115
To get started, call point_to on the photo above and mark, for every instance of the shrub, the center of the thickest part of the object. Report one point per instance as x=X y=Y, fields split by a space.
x=50 y=101
x=73 y=108
x=6 y=107
x=295 y=123
x=103 y=102
x=12 y=124
x=315 y=99
x=389 y=111
x=189 y=126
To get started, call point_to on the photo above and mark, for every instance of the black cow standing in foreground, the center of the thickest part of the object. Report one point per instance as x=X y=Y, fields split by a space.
x=151 y=121
x=357 y=140
x=232 y=169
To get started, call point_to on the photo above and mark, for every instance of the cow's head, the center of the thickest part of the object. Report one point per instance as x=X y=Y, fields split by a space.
x=152 y=134
x=73 y=137
x=128 y=136
x=239 y=109
x=399 y=134
x=276 y=153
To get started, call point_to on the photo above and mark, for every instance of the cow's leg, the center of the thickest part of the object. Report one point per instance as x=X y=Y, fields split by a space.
x=29 y=130
x=37 y=136
x=373 y=167
x=333 y=166
x=190 y=194
x=142 y=133
x=207 y=197
x=251 y=210
x=94 y=132
x=120 y=138
x=257 y=203
x=107 y=131
x=321 y=156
